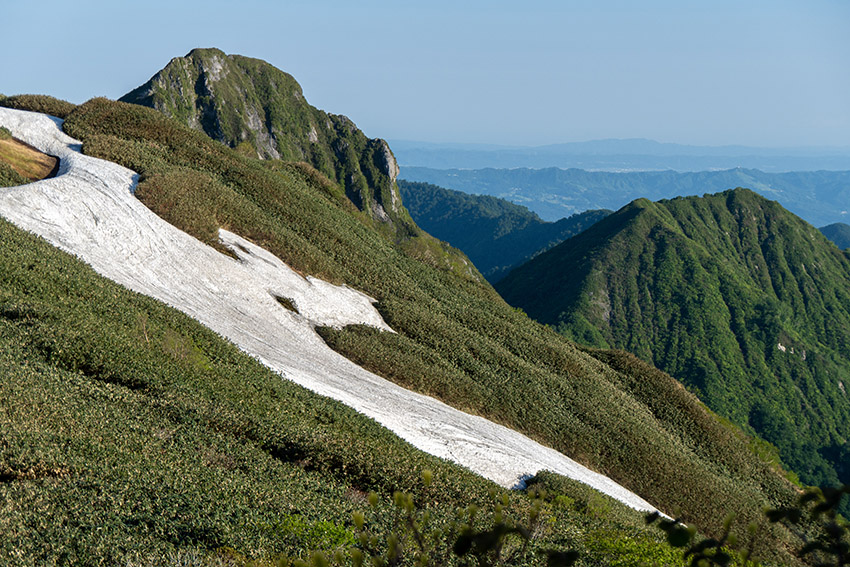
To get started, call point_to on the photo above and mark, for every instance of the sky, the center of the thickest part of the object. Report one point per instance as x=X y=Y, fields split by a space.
x=760 y=73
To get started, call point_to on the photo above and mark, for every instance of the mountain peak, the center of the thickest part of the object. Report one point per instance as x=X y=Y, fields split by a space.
x=741 y=300
x=251 y=105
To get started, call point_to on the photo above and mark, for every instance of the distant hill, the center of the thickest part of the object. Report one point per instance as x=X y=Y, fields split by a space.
x=742 y=301
x=620 y=155
x=250 y=105
x=839 y=233
x=496 y=234
x=819 y=197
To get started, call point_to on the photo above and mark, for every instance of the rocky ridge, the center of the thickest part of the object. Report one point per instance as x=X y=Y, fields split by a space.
x=248 y=104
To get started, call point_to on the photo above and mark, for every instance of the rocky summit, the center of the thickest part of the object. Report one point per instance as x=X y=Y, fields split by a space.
x=250 y=105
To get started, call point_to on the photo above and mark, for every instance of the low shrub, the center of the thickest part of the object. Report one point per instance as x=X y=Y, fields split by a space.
x=39 y=103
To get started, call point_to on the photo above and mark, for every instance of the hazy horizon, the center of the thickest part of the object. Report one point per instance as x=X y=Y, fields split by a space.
x=762 y=74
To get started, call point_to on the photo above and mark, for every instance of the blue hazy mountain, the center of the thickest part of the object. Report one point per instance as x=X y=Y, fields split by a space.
x=636 y=154
x=819 y=197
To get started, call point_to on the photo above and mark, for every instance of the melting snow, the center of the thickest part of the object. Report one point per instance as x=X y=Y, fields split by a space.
x=89 y=211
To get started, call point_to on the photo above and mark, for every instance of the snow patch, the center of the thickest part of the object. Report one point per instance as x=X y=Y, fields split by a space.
x=89 y=210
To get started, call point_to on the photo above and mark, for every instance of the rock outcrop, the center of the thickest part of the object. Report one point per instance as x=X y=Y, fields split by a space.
x=250 y=104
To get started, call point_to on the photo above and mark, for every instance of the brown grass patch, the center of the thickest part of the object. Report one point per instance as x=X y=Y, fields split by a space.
x=26 y=160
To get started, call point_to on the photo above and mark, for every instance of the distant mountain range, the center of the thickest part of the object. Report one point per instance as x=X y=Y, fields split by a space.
x=819 y=197
x=744 y=302
x=496 y=234
x=620 y=155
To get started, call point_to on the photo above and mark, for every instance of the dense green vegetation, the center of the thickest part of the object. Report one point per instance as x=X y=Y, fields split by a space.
x=496 y=234
x=817 y=196
x=129 y=431
x=250 y=105
x=742 y=301
x=456 y=338
x=38 y=103
x=130 y=434
x=838 y=233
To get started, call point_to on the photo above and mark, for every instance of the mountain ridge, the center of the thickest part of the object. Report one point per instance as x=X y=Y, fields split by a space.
x=249 y=104
x=455 y=339
x=742 y=301
x=819 y=197
x=636 y=154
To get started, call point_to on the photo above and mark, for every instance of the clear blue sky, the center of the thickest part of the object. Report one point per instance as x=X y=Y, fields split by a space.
x=768 y=73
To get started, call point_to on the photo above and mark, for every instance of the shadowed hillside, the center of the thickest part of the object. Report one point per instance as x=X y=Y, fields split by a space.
x=496 y=234
x=839 y=233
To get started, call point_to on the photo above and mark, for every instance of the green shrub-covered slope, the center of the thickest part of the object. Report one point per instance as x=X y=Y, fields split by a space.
x=496 y=234
x=457 y=339
x=742 y=301
x=131 y=435
x=254 y=107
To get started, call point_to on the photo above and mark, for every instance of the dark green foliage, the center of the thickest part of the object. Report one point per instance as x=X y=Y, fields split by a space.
x=250 y=104
x=39 y=103
x=496 y=234
x=9 y=177
x=817 y=196
x=838 y=233
x=830 y=545
x=708 y=552
x=815 y=514
x=745 y=303
x=455 y=337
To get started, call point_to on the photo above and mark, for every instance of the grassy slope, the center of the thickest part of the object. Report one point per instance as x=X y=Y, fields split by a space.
x=496 y=234
x=130 y=432
x=457 y=340
x=706 y=289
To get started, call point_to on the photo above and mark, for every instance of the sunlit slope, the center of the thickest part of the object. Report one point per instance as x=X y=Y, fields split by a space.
x=260 y=110
x=122 y=414
x=456 y=339
x=745 y=303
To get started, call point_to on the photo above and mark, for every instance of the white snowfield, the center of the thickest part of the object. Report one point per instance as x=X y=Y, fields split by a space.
x=89 y=210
